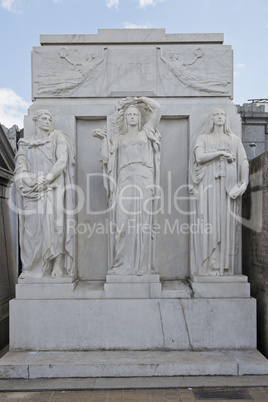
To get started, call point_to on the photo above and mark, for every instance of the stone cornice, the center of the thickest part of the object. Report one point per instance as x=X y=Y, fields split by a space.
x=121 y=36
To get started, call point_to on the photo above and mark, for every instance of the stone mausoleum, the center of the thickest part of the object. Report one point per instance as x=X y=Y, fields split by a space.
x=129 y=180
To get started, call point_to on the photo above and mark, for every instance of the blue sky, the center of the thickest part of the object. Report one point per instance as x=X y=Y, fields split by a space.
x=243 y=22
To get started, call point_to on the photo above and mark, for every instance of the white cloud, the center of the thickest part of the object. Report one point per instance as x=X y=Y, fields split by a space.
x=145 y=3
x=12 y=108
x=141 y=3
x=10 y=5
x=129 y=25
x=112 y=3
x=238 y=68
x=241 y=66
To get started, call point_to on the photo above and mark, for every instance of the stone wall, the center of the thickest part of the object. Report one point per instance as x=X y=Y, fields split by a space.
x=7 y=267
x=254 y=127
x=8 y=271
x=255 y=243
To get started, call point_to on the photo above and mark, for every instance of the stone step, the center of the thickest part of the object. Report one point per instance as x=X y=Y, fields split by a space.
x=102 y=290
x=134 y=287
x=33 y=365
x=146 y=278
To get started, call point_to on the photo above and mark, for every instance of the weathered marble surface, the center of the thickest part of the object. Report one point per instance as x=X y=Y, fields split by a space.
x=133 y=324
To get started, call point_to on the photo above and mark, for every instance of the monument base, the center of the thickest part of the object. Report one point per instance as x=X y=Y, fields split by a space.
x=33 y=365
x=76 y=330
x=86 y=319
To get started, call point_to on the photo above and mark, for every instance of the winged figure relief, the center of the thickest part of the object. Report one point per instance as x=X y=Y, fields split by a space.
x=69 y=70
x=173 y=68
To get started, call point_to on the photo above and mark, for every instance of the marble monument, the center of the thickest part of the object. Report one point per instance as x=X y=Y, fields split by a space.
x=155 y=278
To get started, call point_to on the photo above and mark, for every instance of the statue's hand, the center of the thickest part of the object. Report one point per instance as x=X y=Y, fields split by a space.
x=41 y=183
x=228 y=156
x=238 y=190
x=199 y=52
x=230 y=159
x=41 y=180
x=243 y=187
x=139 y=99
x=100 y=133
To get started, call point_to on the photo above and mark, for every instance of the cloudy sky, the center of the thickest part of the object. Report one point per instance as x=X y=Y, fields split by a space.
x=243 y=22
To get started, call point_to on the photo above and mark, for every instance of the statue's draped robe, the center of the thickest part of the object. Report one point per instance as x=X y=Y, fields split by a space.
x=216 y=242
x=44 y=229
x=133 y=167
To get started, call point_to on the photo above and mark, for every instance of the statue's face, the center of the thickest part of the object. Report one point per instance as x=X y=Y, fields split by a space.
x=219 y=117
x=44 y=122
x=132 y=116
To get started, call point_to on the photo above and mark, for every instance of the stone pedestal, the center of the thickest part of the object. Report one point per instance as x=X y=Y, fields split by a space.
x=85 y=316
x=235 y=286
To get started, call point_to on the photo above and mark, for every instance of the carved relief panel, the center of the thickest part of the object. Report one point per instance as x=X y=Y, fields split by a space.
x=150 y=70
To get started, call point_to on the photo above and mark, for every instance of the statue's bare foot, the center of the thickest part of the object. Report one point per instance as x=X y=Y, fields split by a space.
x=111 y=271
x=57 y=271
x=140 y=273
x=215 y=273
x=23 y=275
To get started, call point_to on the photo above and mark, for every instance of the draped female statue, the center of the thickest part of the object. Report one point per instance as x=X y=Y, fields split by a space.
x=131 y=158
x=219 y=172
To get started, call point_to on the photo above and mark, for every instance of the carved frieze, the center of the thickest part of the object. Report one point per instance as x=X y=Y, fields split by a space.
x=150 y=70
